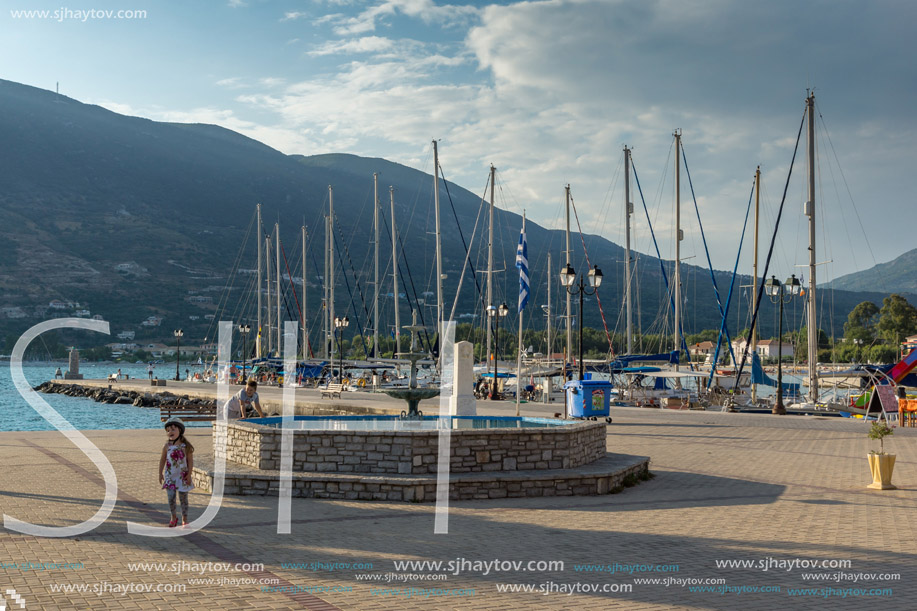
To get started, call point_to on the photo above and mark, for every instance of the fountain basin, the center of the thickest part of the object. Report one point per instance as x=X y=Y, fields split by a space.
x=387 y=458
x=387 y=444
x=413 y=396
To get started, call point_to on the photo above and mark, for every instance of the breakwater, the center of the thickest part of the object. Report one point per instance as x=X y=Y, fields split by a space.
x=113 y=396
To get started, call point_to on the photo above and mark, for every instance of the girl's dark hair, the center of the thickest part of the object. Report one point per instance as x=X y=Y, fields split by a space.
x=189 y=449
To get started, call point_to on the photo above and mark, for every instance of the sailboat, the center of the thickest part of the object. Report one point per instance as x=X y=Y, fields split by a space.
x=657 y=381
x=812 y=402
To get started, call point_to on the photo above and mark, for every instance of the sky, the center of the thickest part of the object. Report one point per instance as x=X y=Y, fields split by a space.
x=547 y=91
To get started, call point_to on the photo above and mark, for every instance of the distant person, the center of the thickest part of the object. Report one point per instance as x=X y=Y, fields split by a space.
x=149 y=370
x=241 y=403
x=119 y=373
x=175 y=467
x=58 y=374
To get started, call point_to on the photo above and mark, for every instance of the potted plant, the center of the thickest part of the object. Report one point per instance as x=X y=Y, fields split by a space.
x=881 y=464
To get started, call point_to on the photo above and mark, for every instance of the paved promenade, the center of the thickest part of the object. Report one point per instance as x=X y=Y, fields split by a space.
x=777 y=493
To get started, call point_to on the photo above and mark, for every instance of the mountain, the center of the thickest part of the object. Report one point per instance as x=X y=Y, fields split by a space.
x=896 y=276
x=132 y=219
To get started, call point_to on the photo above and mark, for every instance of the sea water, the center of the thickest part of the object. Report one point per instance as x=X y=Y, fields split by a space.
x=85 y=414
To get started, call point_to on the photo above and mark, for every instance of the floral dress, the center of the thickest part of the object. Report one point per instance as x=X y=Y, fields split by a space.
x=176 y=468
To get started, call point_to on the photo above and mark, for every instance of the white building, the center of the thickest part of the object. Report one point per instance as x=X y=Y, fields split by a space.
x=767 y=348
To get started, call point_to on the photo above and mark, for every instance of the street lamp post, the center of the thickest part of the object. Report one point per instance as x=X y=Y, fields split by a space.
x=496 y=313
x=567 y=278
x=244 y=330
x=177 y=333
x=776 y=291
x=341 y=324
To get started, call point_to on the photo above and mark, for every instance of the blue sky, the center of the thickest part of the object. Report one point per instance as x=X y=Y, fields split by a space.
x=548 y=91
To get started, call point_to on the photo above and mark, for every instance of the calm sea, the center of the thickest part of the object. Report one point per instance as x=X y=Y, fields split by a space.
x=85 y=414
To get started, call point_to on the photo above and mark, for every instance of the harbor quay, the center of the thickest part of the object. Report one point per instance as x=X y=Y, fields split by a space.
x=743 y=511
x=307 y=401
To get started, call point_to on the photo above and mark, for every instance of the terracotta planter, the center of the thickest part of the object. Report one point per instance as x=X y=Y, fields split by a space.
x=881 y=467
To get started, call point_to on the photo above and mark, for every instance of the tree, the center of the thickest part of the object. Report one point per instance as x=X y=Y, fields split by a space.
x=883 y=354
x=861 y=323
x=897 y=319
x=802 y=341
x=97 y=353
x=847 y=353
x=707 y=335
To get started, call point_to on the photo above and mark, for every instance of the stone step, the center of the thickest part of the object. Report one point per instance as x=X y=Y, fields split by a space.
x=606 y=475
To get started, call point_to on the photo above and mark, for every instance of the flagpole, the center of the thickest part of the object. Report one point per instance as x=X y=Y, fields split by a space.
x=519 y=367
x=523 y=265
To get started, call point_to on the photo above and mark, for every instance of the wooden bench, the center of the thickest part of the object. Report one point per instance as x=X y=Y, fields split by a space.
x=188 y=413
x=332 y=389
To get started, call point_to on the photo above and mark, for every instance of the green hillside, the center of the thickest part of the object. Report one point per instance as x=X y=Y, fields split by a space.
x=896 y=276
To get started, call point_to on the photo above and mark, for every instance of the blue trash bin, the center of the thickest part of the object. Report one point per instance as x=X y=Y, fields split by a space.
x=588 y=398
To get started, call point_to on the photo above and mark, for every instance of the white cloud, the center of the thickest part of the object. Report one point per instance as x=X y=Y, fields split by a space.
x=425 y=10
x=234 y=82
x=365 y=44
x=271 y=81
x=294 y=15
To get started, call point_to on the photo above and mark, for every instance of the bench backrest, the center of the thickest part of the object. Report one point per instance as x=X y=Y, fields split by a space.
x=187 y=412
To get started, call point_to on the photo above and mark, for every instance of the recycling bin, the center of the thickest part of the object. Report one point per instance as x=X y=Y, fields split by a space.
x=588 y=399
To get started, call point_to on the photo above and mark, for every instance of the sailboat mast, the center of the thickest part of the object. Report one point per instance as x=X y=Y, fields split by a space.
x=391 y=195
x=376 y=266
x=305 y=330
x=277 y=248
x=547 y=382
x=331 y=270
x=810 y=212
x=260 y=233
x=267 y=267
x=678 y=237
x=490 y=265
x=519 y=385
x=439 y=253
x=569 y=263
x=628 y=210
x=754 y=279
x=325 y=326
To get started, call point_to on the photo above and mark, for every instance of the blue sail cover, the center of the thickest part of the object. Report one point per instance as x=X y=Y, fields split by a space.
x=759 y=377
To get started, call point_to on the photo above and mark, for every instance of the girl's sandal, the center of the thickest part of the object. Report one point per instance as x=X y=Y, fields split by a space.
x=173 y=523
x=184 y=522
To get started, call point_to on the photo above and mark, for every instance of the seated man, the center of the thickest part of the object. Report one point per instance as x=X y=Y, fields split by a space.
x=241 y=403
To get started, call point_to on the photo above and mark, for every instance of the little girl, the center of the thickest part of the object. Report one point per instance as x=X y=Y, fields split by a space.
x=175 y=467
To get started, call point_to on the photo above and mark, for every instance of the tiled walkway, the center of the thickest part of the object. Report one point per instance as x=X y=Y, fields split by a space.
x=765 y=490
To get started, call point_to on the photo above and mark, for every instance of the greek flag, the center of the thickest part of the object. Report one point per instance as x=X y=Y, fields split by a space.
x=522 y=262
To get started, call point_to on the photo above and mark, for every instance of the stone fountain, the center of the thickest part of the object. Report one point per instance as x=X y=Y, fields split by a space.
x=402 y=458
x=412 y=394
